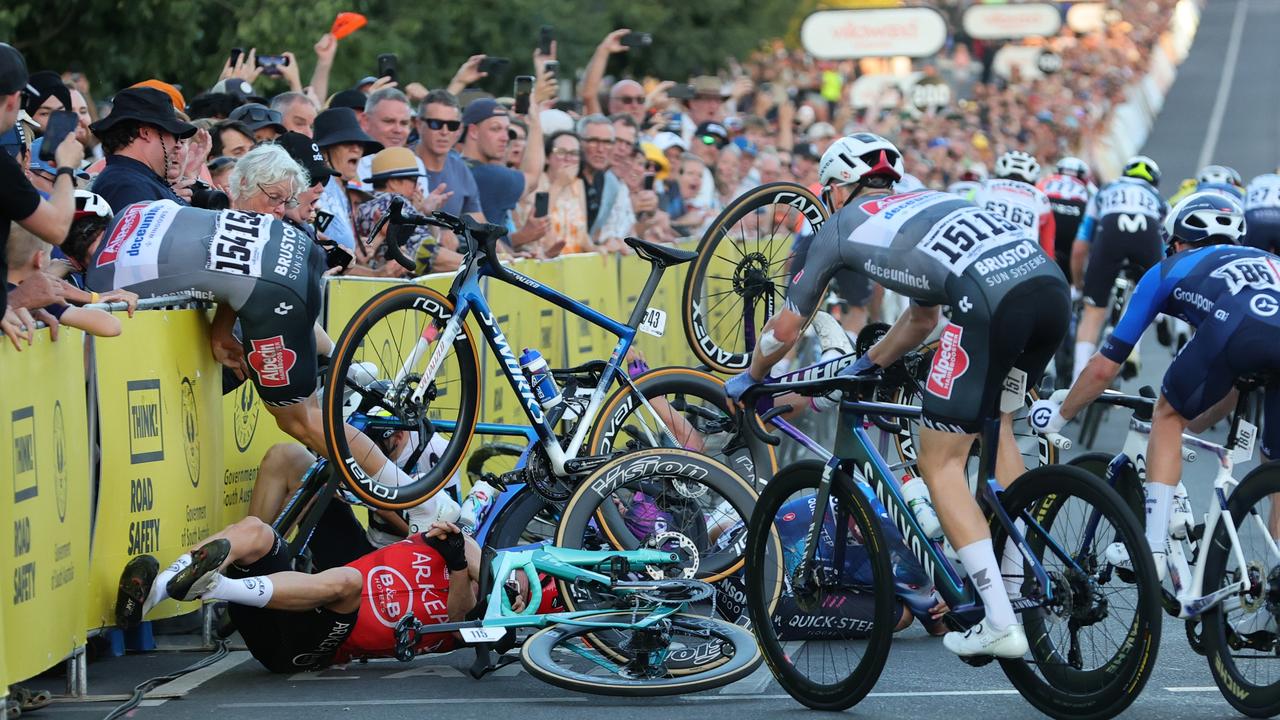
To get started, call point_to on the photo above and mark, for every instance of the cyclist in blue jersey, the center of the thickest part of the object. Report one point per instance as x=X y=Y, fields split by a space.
x=1262 y=213
x=1231 y=294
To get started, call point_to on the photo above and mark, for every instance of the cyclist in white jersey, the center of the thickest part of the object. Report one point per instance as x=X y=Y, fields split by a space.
x=1013 y=195
x=1262 y=213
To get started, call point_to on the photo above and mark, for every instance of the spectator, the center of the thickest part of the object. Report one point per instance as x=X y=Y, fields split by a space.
x=306 y=153
x=518 y=134
x=566 y=199
x=141 y=138
x=343 y=143
x=217 y=106
x=41 y=173
x=484 y=145
x=266 y=180
x=388 y=120
x=626 y=134
x=19 y=202
x=439 y=127
x=821 y=134
x=682 y=199
x=80 y=106
x=174 y=94
x=220 y=172
x=297 y=111
x=609 y=214
x=769 y=167
x=231 y=138
x=708 y=140
x=706 y=105
x=395 y=175
x=265 y=123
x=626 y=96
x=29 y=256
x=51 y=95
x=804 y=164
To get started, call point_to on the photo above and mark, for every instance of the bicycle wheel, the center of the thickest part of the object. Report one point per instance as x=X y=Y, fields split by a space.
x=824 y=633
x=526 y=520
x=739 y=278
x=396 y=332
x=565 y=656
x=1242 y=634
x=689 y=411
x=1093 y=647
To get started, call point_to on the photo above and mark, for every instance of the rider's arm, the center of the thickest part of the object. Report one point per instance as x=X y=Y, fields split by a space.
x=1048 y=230
x=462 y=589
x=1079 y=256
x=782 y=331
x=910 y=329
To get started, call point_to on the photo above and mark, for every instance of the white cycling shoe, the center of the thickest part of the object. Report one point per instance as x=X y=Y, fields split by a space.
x=1118 y=556
x=440 y=508
x=982 y=640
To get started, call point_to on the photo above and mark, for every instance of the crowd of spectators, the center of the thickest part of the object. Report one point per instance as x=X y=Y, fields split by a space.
x=573 y=173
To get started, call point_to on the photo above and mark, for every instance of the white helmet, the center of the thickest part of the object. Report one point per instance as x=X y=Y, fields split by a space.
x=1018 y=165
x=1219 y=174
x=861 y=158
x=90 y=205
x=1074 y=167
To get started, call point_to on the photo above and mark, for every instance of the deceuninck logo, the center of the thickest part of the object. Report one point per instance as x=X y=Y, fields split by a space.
x=146 y=432
x=191 y=431
x=59 y=461
x=24 y=454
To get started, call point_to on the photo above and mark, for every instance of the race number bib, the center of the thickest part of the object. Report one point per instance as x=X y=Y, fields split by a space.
x=238 y=242
x=966 y=234
x=1263 y=196
x=1013 y=212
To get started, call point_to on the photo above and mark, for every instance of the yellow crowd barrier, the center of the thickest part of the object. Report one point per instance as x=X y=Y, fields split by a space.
x=178 y=459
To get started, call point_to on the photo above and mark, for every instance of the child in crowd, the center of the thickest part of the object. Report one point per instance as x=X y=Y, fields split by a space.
x=27 y=255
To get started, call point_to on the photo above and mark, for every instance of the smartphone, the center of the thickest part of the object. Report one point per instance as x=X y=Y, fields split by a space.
x=637 y=39
x=540 y=202
x=388 y=65
x=337 y=256
x=271 y=64
x=524 y=86
x=322 y=220
x=545 y=37
x=680 y=92
x=648 y=181
x=494 y=65
x=61 y=122
x=235 y=55
x=552 y=67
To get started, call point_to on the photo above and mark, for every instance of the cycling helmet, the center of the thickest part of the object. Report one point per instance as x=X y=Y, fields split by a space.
x=863 y=159
x=974 y=172
x=1232 y=191
x=1074 y=167
x=1143 y=168
x=1220 y=175
x=1018 y=165
x=90 y=220
x=89 y=204
x=1205 y=218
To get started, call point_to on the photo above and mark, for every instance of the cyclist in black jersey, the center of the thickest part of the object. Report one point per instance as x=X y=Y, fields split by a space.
x=1009 y=312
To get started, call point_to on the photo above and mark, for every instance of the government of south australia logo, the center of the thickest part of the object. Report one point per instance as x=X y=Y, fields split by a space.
x=244 y=418
x=60 y=461
x=191 y=431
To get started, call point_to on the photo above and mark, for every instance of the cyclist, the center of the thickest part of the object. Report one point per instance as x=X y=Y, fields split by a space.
x=1013 y=195
x=262 y=272
x=970 y=180
x=1009 y=305
x=1262 y=213
x=1121 y=223
x=1232 y=295
x=1069 y=189
x=1219 y=178
x=294 y=622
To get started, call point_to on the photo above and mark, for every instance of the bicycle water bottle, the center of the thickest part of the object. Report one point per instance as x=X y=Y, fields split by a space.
x=475 y=506
x=544 y=386
x=917 y=497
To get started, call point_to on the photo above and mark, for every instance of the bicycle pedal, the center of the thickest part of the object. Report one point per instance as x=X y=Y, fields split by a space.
x=495 y=481
x=1197 y=532
x=977 y=660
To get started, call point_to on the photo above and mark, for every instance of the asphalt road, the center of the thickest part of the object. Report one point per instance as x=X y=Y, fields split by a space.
x=921 y=679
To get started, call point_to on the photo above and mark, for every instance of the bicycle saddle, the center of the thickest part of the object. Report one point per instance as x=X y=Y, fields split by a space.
x=663 y=255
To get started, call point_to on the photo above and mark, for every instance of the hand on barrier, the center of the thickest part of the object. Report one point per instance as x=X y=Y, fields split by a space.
x=18 y=325
x=229 y=353
x=123 y=296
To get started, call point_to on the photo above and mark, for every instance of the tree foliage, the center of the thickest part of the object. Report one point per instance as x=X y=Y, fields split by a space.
x=117 y=43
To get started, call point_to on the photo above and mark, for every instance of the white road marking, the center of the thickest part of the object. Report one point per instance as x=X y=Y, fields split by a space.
x=191 y=681
x=1224 y=86
x=1203 y=688
x=407 y=701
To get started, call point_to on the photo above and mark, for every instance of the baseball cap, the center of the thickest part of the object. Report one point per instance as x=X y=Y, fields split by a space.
x=307 y=154
x=353 y=99
x=480 y=110
x=394 y=162
x=712 y=133
x=239 y=89
x=258 y=116
x=35 y=163
x=13 y=140
x=806 y=150
x=13 y=71
x=821 y=131
x=667 y=140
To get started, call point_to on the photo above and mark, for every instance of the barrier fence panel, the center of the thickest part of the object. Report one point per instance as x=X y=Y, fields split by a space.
x=162 y=450
x=248 y=431
x=44 y=504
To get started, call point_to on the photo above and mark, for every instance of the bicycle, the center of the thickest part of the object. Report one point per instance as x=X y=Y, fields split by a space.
x=1065 y=587
x=1232 y=595
x=647 y=644
x=436 y=383
x=1126 y=280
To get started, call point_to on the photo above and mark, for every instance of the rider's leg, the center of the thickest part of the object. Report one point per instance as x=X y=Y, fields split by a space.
x=1010 y=465
x=1164 y=470
x=250 y=539
x=337 y=589
x=1087 y=332
x=279 y=476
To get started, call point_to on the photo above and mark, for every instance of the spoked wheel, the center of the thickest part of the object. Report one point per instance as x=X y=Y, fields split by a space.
x=382 y=356
x=1093 y=645
x=739 y=279
x=687 y=409
x=824 y=626
x=1242 y=634
x=712 y=652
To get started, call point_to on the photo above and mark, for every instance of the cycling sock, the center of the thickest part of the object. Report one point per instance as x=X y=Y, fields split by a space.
x=1011 y=562
x=158 y=592
x=1159 y=505
x=1084 y=351
x=980 y=561
x=251 y=591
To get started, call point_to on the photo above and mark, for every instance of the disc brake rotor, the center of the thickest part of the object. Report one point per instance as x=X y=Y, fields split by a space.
x=680 y=544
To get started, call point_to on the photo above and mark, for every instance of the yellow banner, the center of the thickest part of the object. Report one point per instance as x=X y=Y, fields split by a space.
x=248 y=431
x=161 y=471
x=44 y=505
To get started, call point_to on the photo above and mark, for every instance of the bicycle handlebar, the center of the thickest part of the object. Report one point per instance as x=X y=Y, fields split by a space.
x=486 y=235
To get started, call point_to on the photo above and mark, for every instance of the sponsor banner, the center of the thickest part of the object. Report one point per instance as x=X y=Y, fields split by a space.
x=248 y=431
x=1089 y=17
x=1008 y=22
x=162 y=447
x=844 y=34
x=590 y=279
x=44 y=503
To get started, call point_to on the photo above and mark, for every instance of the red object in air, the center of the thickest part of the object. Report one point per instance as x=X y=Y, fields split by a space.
x=347 y=23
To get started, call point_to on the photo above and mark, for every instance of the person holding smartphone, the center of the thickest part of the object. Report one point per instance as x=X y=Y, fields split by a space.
x=561 y=197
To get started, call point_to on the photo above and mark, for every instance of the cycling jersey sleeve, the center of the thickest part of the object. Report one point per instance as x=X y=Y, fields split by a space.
x=809 y=286
x=1145 y=303
x=1048 y=233
x=1085 y=233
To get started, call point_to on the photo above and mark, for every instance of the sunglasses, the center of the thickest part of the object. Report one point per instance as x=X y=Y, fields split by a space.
x=710 y=140
x=630 y=99
x=437 y=123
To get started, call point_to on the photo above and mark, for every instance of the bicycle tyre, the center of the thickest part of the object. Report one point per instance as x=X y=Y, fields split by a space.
x=765 y=580
x=1128 y=485
x=1243 y=694
x=724 y=358
x=511 y=527
x=439 y=309
x=756 y=465
x=536 y=654
x=1063 y=691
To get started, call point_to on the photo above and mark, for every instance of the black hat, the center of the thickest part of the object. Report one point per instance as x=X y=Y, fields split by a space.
x=13 y=71
x=353 y=99
x=806 y=150
x=47 y=84
x=145 y=105
x=339 y=125
x=713 y=130
x=258 y=116
x=307 y=154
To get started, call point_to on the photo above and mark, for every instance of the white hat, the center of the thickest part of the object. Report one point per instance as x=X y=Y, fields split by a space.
x=554 y=121
x=667 y=140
